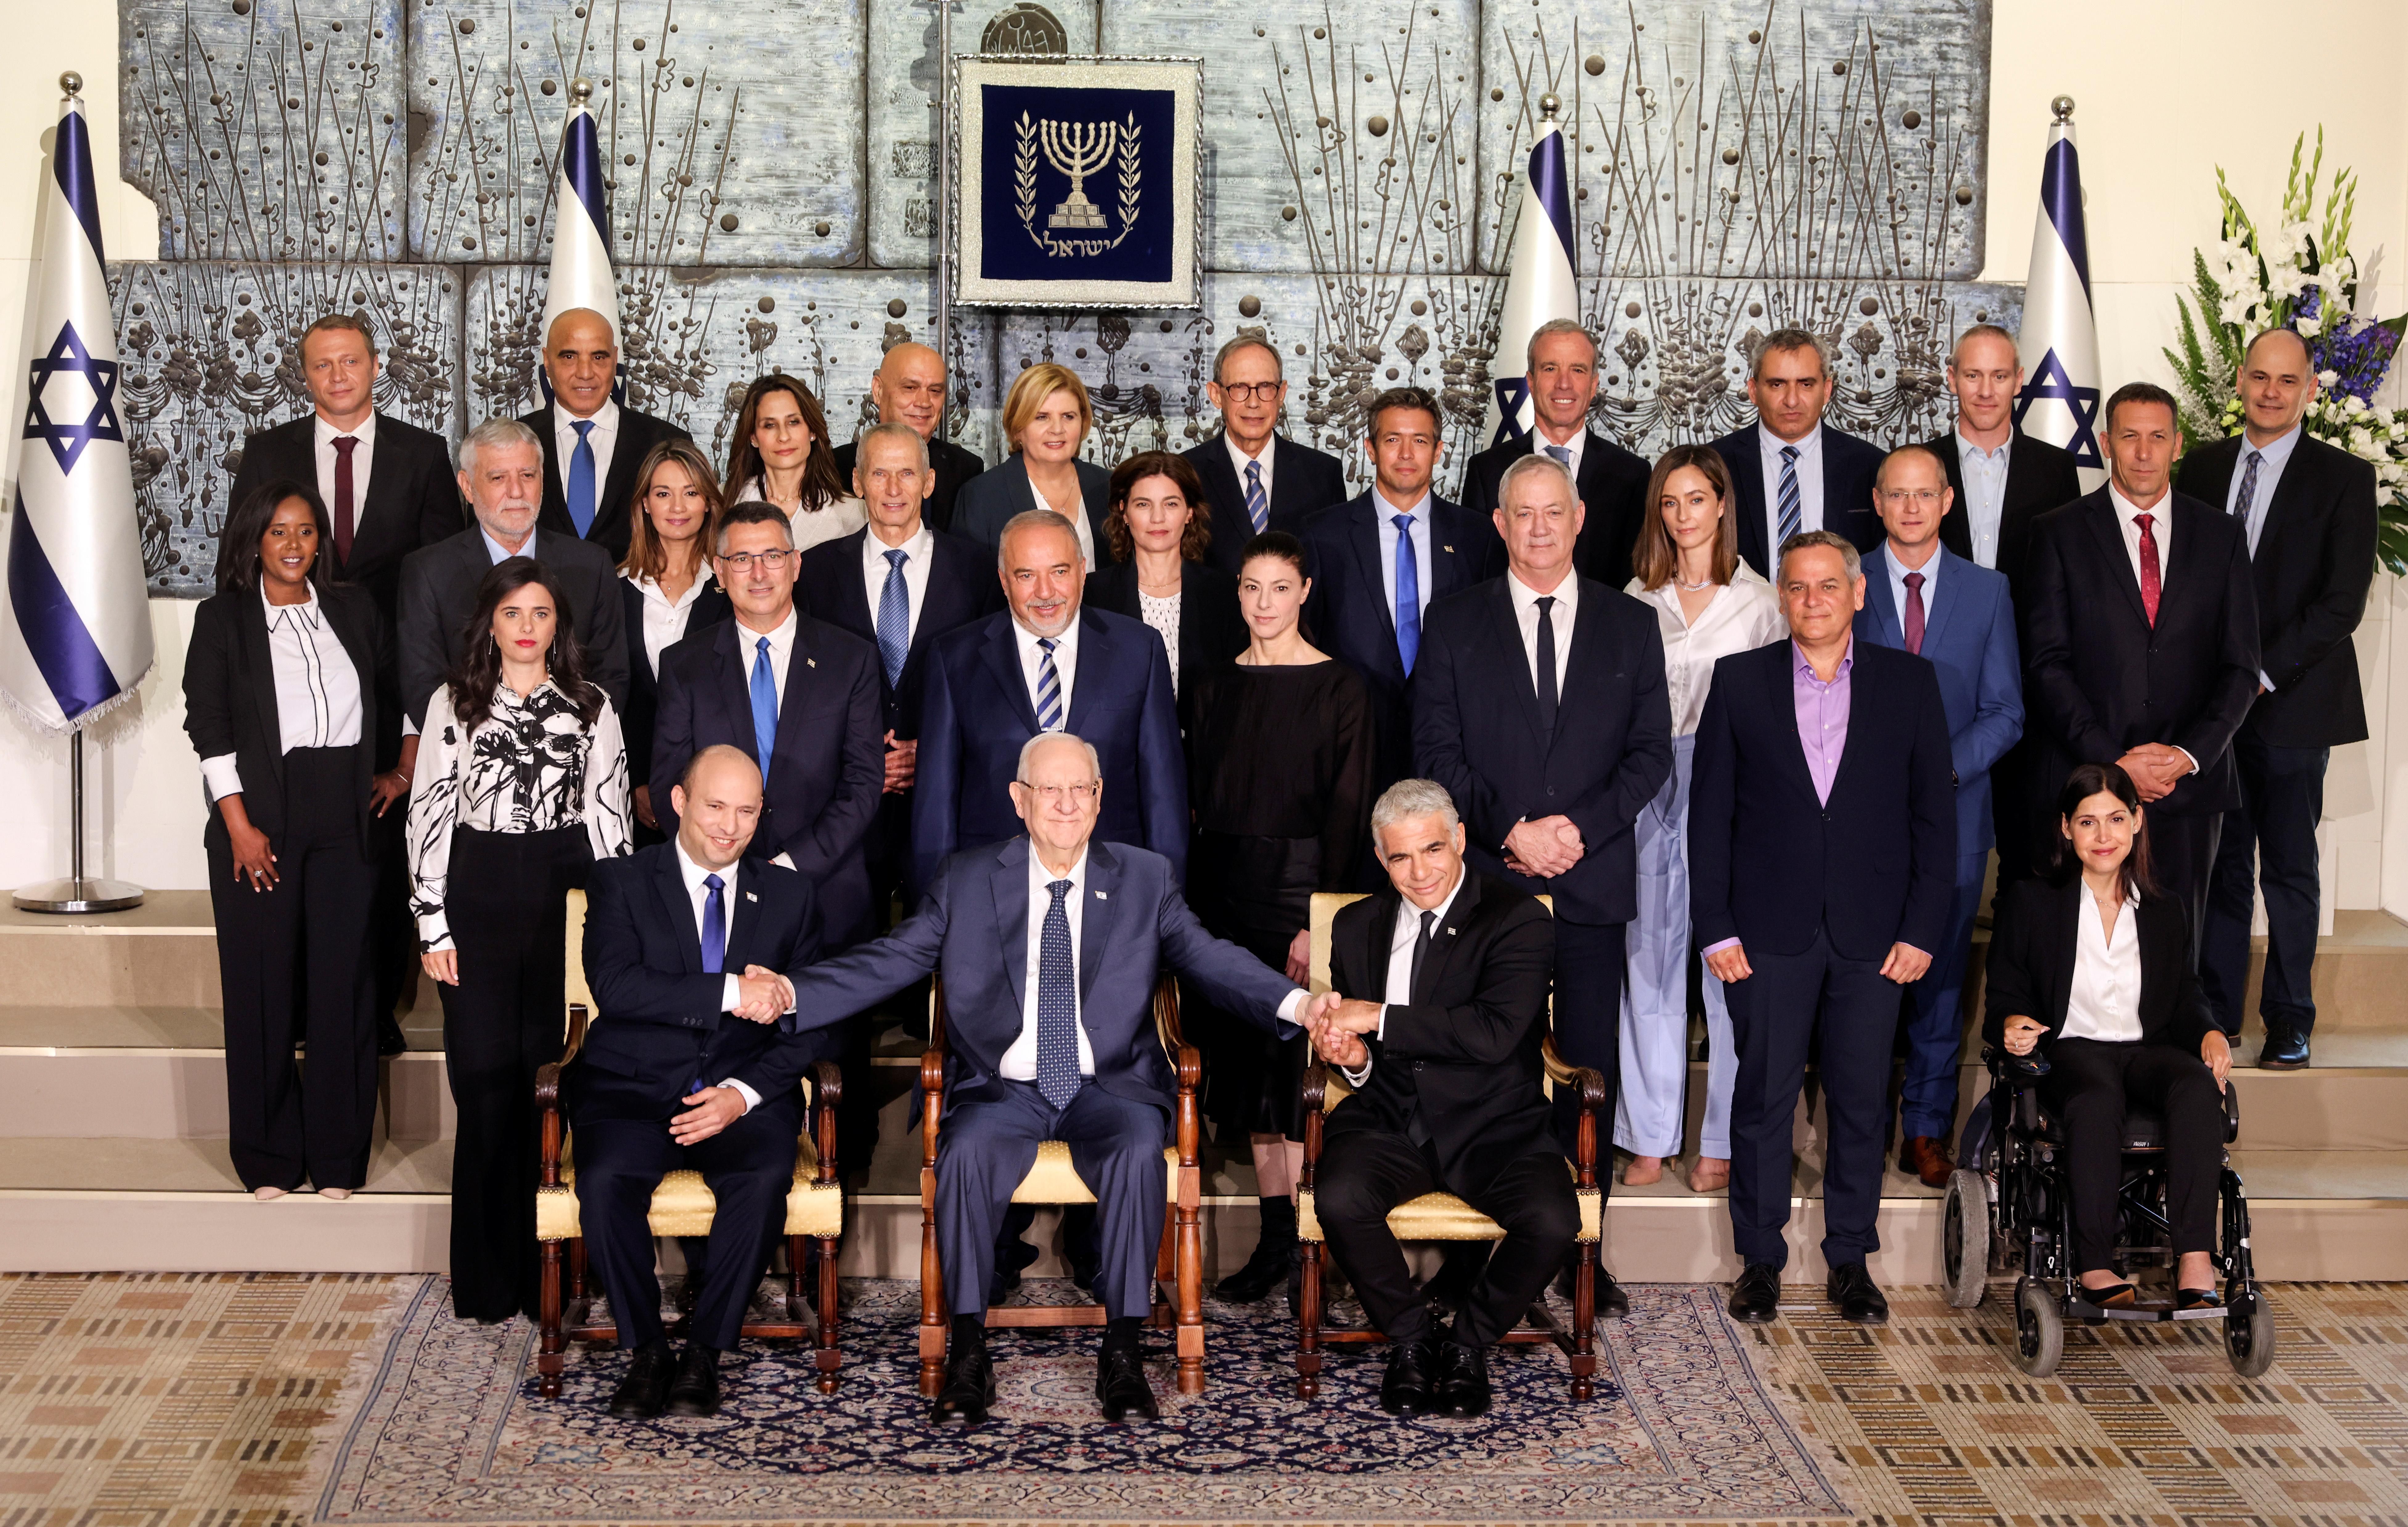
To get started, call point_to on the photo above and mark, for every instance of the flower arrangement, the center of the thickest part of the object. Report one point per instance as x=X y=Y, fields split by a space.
x=2297 y=272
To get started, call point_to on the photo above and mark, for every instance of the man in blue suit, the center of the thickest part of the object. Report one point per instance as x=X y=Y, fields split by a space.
x=1380 y=562
x=672 y=1077
x=1822 y=855
x=1049 y=946
x=1923 y=598
x=1789 y=472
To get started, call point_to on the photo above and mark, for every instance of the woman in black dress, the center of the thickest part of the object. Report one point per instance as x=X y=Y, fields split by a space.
x=1279 y=770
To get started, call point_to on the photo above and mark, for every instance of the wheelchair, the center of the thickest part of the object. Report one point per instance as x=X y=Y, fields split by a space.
x=2008 y=1206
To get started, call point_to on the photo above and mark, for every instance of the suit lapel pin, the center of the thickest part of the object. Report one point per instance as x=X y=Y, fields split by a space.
x=1450 y=932
x=1103 y=895
x=1448 y=550
x=810 y=662
x=750 y=898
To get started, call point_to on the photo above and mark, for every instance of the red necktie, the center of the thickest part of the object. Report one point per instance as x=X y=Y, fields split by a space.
x=344 y=498
x=1914 y=613
x=2150 y=586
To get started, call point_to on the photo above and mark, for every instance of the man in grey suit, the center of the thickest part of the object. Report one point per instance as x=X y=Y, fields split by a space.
x=1049 y=945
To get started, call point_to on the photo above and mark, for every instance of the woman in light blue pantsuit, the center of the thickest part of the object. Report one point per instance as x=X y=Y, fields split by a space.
x=1708 y=605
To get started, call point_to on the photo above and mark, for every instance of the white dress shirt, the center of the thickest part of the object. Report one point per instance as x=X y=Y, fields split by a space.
x=1810 y=483
x=1401 y=938
x=362 y=457
x=1387 y=527
x=1898 y=571
x=732 y=991
x=1560 y=617
x=2104 y=1000
x=782 y=651
x=666 y=619
x=1239 y=459
x=838 y=517
x=1985 y=501
x=1066 y=662
x=603 y=438
x=1076 y=515
x=2277 y=455
x=874 y=567
x=1743 y=615
x=317 y=689
x=1019 y=1063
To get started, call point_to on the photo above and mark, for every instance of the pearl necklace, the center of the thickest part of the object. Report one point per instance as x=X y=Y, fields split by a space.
x=1694 y=588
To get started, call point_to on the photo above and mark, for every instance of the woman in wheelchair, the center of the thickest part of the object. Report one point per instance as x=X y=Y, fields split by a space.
x=2091 y=989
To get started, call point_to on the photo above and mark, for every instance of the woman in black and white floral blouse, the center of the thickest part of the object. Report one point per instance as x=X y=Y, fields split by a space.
x=522 y=784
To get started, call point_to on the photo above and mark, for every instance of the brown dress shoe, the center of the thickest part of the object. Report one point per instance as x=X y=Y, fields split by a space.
x=1927 y=1159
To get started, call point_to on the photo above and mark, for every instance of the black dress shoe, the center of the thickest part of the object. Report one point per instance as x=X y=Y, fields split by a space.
x=1405 y=1390
x=1756 y=1298
x=1462 y=1385
x=695 y=1391
x=390 y=1039
x=1611 y=1302
x=969 y=1387
x=2287 y=1050
x=641 y=1396
x=1858 y=1295
x=1120 y=1388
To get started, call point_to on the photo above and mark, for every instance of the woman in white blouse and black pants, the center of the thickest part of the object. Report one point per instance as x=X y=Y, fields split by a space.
x=522 y=784
x=290 y=700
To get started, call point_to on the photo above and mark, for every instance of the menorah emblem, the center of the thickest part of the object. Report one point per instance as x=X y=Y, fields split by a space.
x=1077 y=149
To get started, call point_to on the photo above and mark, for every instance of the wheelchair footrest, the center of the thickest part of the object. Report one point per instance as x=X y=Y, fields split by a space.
x=2083 y=1309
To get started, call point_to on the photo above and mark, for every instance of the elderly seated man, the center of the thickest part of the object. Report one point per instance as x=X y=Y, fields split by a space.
x=1440 y=1030
x=1049 y=945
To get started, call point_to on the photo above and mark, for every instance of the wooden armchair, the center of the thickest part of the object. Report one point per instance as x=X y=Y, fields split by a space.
x=682 y=1205
x=1179 y=1265
x=1444 y=1217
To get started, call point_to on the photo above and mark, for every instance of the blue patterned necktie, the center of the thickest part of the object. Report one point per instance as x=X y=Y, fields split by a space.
x=1049 y=688
x=714 y=927
x=1258 y=507
x=1409 y=595
x=1792 y=513
x=764 y=706
x=894 y=618
x=580 y=477
x=2248 y=494
x=1057 y=1004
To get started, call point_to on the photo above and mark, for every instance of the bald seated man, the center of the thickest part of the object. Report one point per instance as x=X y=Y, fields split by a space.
x=592 y=445
x=909 y=389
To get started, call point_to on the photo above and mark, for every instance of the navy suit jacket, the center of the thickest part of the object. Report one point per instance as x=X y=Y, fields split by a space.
x=1476 y=730
x=1304 y=481
x=1351 y=616
x=826 y=768
x=660 y=1019
x=1771 y=864
x=1969 y=637
x=1849 y=465
x=976 y=714
x=988 y=501
x=962 y=587
x=1613 y=490
x=971 y=928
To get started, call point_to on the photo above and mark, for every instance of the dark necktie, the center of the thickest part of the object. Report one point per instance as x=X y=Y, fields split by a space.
x=1058 y=1003
x=1049 y=687
x=345 y=498
x=1547 y=664
x=1258 y=505
x=1793 y=503
x=2248 y=495
x=714 y=927
x=1914 y=613
x=2150 y=586
x=1416 y=1128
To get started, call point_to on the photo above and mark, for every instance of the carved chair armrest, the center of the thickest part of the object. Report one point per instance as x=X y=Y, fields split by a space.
x=553 y=1128
x=578 y=1020
x=827 y=1095
x=932 y=1074
x=1316 y=1095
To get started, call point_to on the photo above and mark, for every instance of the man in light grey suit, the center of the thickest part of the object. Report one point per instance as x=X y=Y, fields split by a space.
x=1049 y=946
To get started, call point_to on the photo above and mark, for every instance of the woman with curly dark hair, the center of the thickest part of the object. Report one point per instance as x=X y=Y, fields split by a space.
x=1157 y=532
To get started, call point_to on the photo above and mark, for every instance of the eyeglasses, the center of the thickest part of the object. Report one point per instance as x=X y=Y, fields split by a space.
x=1926 y=497
x=1053 y=794
x=743 y=562
x=1251 y=391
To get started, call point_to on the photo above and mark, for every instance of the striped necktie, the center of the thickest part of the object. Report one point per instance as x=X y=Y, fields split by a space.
x=1792 y=514
x=1258 y=507
x=894 y=618
x=1049 y=688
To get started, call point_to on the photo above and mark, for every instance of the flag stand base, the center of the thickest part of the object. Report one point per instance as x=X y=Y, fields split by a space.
x=78 y=891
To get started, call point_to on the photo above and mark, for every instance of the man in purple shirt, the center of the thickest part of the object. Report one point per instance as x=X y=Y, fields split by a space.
x=1822 y=849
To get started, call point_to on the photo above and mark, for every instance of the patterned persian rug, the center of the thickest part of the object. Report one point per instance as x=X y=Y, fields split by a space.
x=445 y=1425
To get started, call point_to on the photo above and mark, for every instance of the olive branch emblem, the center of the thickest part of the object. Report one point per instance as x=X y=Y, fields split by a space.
x=1078 y=151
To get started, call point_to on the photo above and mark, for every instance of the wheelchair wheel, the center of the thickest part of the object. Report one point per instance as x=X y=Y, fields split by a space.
x=1965 y=1237
x=2249 y=1333
x=2040 y=1329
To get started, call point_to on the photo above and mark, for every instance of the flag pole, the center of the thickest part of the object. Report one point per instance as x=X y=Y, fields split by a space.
x=943 y=219
x=78 y=893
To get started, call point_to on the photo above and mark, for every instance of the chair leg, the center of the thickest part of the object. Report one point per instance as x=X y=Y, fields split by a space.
x=1307 y=1322
x=828 y=1356
x=1583 y=1353
x=799 y=1257
x=931 y=1292
x=548 y=1362
x=577 y=1269
x=1190 y=1259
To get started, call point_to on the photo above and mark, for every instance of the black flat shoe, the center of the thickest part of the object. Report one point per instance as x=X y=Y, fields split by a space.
x=2284 y=1050
x=2197 y=1299
x=1462 y=1385
x=641 y=1396
x=1859 y=1298
x=695 y=1391
x=969 y=1387
x=1120 y=1388
x=1405 y=1390
x=1756 y=1298
x=2113 y=1296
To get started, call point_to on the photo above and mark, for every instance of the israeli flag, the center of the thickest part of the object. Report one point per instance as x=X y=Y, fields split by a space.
x=581 y=233
x=75 y=618
x=1539 y=286
x=2059 y=344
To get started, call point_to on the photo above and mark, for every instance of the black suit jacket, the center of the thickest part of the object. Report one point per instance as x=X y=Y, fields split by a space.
x=2029 y=970
x=613 y=497
x=438 y=596
x=709 y=609
x=1476 y=730
x=1304 y=481
x=2099 y=678
x=988 y=501
x=230 y=698
x=412 y=497
x=2040 y=478
x=1210 y=629
x=1350 y=615
x=1771 y=864
x=1849 y=466
x=659 y=1017
x=1613 y=489
x=962 y=588
x=827 y=764
x=952 y=465
x=2313 y=564
x=1464 y=1048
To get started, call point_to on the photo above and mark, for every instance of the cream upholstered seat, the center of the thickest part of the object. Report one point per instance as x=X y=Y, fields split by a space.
x=1050 y=1179
x=681 y=1204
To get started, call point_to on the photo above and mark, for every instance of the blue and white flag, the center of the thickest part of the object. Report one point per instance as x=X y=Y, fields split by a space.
x=1540 y=284
x=75 y=620
x=2059 y=344
x=580 y=237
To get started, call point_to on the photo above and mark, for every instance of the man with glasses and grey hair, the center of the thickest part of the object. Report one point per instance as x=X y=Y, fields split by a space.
x=1560 y=365
x=1255 y=479
x=1789 y=473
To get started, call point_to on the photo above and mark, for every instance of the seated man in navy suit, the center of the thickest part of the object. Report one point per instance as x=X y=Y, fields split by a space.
x=1049 y=946
x=673 y=1078
x=1925 y=599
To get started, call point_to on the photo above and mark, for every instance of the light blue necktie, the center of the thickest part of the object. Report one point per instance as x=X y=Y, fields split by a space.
x=1563 y=454
x=765 y=707
x=1258 y=507
x=1409 y=595
x=1792 y=514
x=1049 y=688
x=1057 y=1004
x=714 y=927
x=894 y=618
x=580 y=478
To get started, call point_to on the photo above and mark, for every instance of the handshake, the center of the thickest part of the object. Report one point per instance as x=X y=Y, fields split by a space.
x=763 y=995
x=1338 y=1025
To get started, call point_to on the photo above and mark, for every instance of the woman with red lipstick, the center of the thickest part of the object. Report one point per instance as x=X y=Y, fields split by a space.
x=522 y=784
x=783 y=457
x=2090 y=980
x=666 y=591
x=291 y=700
